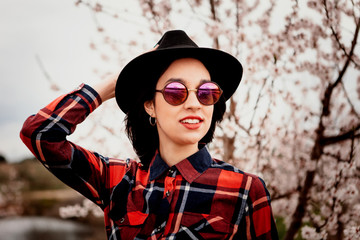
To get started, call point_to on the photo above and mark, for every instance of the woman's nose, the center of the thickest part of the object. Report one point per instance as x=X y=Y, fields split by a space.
x=192 y=100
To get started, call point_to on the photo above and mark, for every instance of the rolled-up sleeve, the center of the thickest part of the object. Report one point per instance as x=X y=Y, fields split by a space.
x=45 y=135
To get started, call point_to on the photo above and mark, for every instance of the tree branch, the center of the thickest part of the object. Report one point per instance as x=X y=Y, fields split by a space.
x=151 y=5
x=336 y=35
x=53 y=85
x=349 y=56
x=257 y=103
x=214 y=17
x=331 y=87
x=341 y=137
x=286 y=195
x=349 y=101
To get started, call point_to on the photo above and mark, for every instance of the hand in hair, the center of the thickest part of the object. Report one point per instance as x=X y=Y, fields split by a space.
x=106 y=88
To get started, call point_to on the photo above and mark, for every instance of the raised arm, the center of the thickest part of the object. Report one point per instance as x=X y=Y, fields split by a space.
x=45 y=135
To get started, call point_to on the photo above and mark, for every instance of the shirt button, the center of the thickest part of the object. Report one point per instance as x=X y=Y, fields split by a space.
x=158 y=229
x=168 y=193
x=171 y=171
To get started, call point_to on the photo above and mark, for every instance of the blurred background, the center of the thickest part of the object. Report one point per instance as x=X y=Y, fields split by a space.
x=294 y=121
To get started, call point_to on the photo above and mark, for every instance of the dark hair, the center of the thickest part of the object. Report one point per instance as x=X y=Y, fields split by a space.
x=144 y=137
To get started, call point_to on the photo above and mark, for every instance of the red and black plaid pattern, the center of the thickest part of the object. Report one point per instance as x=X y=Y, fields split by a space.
x=198 y=198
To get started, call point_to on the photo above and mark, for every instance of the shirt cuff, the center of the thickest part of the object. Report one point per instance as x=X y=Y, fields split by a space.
x=89 y=94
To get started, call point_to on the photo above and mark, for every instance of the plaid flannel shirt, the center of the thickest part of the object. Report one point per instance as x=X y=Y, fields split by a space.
x=198 y=198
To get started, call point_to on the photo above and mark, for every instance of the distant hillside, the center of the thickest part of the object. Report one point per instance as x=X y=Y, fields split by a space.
x=37 y=176
x=28 y=188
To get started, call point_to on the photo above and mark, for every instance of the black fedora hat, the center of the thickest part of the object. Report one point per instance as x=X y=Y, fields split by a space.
x=142 y=73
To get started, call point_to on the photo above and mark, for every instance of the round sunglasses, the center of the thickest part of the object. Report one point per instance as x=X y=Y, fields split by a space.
x=176 y=93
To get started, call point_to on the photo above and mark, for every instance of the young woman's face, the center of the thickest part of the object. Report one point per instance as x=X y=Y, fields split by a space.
x=187 y=123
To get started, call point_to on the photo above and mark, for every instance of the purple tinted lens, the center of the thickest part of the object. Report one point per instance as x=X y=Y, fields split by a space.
x=209 y=93
x=175 y=93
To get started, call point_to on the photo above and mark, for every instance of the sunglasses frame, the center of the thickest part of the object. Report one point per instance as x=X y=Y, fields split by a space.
x=188 y=90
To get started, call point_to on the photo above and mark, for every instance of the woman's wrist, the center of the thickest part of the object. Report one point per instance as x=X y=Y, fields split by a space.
x=106 y=88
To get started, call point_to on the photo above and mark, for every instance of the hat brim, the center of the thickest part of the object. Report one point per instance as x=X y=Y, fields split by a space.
x=142 y=73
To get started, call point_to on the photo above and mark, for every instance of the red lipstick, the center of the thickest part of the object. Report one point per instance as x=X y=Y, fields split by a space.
x=192 y=122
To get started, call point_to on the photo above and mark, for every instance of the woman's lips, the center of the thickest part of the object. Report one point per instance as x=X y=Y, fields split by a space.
x=191 y=122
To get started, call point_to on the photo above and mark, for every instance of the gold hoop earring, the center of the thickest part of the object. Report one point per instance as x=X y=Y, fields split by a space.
x=151 y=122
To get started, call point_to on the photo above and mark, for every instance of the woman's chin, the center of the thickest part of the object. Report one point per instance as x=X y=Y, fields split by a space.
x=190 y=140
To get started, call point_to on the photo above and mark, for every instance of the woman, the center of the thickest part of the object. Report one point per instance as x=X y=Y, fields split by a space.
x=173 y=97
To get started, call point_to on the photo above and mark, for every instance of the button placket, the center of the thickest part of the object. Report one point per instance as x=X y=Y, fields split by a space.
x=168 y=185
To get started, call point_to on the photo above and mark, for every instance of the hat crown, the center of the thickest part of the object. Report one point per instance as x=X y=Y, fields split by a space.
x=175 y=39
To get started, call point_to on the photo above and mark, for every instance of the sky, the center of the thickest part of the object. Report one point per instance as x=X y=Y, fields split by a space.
x=39 y=36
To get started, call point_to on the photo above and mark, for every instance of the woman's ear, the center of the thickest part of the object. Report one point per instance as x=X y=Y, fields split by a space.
x=150 y=108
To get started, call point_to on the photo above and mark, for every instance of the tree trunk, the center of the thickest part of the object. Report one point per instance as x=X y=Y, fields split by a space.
x=301 y=207
x=299 y=213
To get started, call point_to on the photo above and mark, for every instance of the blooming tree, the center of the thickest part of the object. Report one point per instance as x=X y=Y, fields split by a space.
x=295 y=119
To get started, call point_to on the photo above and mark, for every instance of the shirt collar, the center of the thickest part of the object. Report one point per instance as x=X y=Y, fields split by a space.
x=190 y=168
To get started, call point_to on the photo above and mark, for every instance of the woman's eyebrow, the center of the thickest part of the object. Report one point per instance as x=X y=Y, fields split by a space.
x=184 y=82
x=175 y=80
x=204 y=81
